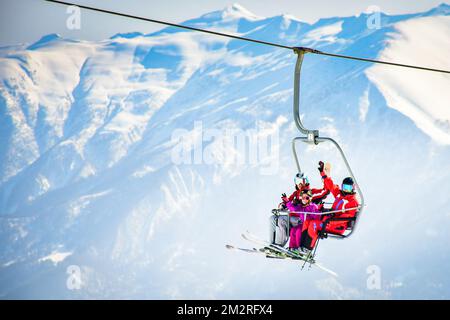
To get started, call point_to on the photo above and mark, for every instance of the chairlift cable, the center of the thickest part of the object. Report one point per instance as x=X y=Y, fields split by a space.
x=251 y=40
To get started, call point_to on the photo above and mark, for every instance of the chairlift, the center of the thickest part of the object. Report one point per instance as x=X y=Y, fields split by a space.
x=313 y=137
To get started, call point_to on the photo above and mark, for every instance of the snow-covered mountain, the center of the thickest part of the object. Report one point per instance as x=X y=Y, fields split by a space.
x=88 y=177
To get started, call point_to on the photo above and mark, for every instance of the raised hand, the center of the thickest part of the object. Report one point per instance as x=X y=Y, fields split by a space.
x=321 y=166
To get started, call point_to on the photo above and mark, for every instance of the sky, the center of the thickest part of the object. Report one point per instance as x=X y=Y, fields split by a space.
x=21 y=21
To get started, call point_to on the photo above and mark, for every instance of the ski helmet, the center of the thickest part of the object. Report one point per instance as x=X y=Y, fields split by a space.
x=300 y=178
x=348 y=185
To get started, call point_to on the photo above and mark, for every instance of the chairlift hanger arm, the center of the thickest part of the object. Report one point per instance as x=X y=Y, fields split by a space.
x=310 y=134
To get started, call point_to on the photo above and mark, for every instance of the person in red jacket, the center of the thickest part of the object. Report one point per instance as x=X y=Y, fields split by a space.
x=345 y=200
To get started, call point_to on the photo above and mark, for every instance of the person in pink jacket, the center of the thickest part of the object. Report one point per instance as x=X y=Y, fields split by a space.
x=297 y=218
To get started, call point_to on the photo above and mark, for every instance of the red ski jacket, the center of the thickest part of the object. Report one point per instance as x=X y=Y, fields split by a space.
x=342 y=201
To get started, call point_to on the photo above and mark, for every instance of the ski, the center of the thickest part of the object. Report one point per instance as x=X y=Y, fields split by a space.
x=268 y=254
x=228 y=246
x=321 y=267
x=252 y=238
x=249 y=237
x=274 y=254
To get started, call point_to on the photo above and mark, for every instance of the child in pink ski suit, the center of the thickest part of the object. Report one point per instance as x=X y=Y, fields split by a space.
x=300 y=205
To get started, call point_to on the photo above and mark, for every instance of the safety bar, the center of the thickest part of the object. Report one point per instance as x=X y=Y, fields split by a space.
x=290 y=214
x=278 y=211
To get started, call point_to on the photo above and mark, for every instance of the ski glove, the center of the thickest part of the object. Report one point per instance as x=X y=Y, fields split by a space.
x=321 y=166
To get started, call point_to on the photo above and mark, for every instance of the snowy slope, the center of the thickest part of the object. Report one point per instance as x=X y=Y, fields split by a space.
x=87 y=175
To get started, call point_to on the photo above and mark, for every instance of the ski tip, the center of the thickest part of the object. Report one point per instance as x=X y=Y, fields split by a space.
x=229 y=246
x=334 y=274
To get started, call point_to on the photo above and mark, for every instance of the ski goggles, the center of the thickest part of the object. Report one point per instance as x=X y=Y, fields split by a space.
x=347 y=188
x=306 y=197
